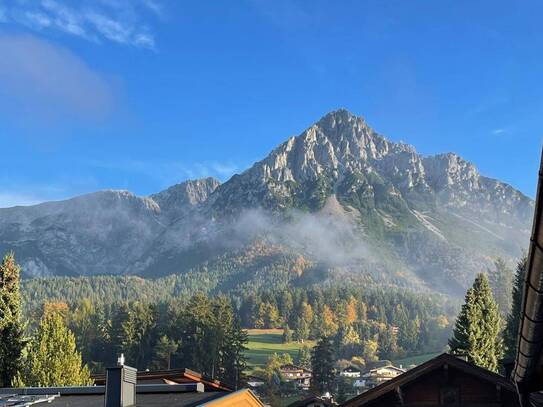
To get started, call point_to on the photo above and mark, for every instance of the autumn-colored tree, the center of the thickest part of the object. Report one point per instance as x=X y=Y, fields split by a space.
x=307 y=313
x=351 y=311
x=369 y=350
x=329 y=325
x=56 y=307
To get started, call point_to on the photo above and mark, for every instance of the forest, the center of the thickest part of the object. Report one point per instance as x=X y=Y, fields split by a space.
x=157 y=326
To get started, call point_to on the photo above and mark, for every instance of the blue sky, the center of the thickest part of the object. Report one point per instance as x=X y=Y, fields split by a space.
x=141 y=94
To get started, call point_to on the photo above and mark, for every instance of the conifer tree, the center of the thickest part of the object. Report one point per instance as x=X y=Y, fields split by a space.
x=11 y=329
x=501 y=281
x=513 y=319
x=301 y=330
x=322 y=366
x=234 y=361
x=477 y=330
x=304 y=357
x=163 y=351
x=53 y=359
x=287 y=334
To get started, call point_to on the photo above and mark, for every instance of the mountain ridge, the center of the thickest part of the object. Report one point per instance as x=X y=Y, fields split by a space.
x=375 y=198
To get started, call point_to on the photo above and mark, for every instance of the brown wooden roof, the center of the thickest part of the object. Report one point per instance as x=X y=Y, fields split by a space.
x=172 y=376
x=425 y=368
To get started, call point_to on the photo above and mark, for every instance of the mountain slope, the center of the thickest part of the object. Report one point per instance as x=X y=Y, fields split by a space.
x=352 y=204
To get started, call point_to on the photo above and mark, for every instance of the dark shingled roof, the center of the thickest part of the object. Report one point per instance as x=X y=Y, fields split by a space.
x=191 y=399
x=177 y=395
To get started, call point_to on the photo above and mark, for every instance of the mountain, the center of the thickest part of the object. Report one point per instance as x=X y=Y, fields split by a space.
x=338 y=203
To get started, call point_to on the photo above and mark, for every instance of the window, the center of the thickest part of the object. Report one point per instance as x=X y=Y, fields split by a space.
x=450 y=396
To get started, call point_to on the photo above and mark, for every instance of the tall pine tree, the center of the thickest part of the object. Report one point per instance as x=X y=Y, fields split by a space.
x=53 y=359
x=501 y=280
x=513 y=319
x=322 y=366
x=11 y=329
x=477 y=330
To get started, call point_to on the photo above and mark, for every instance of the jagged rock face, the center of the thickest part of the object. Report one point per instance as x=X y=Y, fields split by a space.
x=177 y=199
x=341 y=144
x=437 y=217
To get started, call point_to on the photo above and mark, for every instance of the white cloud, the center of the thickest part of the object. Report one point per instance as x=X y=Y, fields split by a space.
x=39 y=79
x=38 y=20
x=499 y=131
x=120 y=21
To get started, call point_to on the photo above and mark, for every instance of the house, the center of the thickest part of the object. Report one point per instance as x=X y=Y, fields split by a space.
x=351 y=371
x=293 y=373
x=528 y=367
x=121 y=390
x=443 y=381
x=254 y=381
x=313 y=401
x=378 y=375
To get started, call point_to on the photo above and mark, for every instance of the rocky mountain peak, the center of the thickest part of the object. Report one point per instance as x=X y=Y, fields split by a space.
x=447 y=170
x=186 y=194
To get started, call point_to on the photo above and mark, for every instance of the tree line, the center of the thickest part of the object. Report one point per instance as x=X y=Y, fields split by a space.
x=63 y=343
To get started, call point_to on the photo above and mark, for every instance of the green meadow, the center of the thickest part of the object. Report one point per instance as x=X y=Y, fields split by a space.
x=265 y=342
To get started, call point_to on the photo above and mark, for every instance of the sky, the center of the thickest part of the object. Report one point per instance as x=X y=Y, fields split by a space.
x=143 y=94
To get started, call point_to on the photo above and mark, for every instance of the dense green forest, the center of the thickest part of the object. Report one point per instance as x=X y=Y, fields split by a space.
x=368 y=323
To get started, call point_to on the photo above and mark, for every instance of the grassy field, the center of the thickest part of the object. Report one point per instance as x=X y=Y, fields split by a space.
x=265 y=342
x=415 y=360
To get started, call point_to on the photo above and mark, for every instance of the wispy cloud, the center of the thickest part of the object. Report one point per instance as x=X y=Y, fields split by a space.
x=499 y=131
x=44 y=81
x=123 y=22
x=167 y=173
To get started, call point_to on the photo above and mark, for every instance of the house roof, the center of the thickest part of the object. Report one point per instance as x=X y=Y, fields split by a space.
x=292 y=366
x=172 y=376
x=528 y=370
x=311 y=399
x=425 y=368
x=144 y=400
x=391 y=367
x=146 y=396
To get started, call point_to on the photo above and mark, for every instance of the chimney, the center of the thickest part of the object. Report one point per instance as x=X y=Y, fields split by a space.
x=120 y=385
